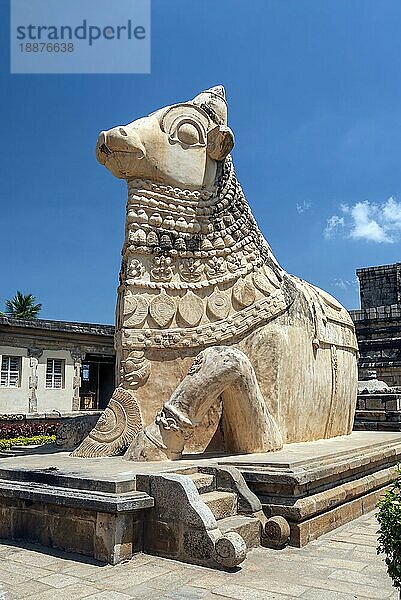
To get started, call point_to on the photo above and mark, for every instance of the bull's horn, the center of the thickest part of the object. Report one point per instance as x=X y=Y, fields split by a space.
x=215 y=99
x=218 y=90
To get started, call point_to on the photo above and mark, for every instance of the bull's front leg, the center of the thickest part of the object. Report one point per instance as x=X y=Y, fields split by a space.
x=217 y=371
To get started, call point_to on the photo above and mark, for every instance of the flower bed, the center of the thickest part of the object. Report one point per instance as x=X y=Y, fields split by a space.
x=15 y=429
x=6 y=444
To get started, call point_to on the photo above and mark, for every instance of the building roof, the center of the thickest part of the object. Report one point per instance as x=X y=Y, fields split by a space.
x=46 y=325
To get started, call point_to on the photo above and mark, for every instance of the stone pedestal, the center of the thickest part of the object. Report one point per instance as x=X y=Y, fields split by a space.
x=96 y=507
x=318 y=486
x=92 y=514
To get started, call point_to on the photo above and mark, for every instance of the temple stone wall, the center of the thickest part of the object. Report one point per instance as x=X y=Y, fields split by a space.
x=378 y=322
x=380 y=286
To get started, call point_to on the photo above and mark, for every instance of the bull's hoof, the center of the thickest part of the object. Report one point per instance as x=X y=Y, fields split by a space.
x=276 y=532
x=147 y=447
x=230 y=550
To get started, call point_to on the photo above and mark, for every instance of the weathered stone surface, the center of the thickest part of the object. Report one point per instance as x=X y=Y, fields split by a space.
x=230 y=550
x=222 y=504
x=378 y=409
x=276 y=531
x=369 y=383
x=249 y=528
x=184 y=523
x=217 y=372
x=113 y=537
x=115 y=429
x=314 y=486
x=73 y=430
x=203 y=482
x=377 y=323
x=380 y=286
x=194 y=254
x=341 y=565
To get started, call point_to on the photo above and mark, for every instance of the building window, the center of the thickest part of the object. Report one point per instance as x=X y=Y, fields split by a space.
x=55 y=373
x=10 y=371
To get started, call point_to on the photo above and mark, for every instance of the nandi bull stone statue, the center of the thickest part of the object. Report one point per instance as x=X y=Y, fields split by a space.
x=213 y=338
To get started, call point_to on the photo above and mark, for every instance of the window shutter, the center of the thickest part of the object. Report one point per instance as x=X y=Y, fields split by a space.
x=10 y=371
x=54 y=373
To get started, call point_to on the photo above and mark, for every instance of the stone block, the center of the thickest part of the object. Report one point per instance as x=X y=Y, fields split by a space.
x=196 y=546
x=249 y=528
x=162 y=538
x=222 y=504
x=203 y=482
x=113 y=537
x=393 y=403
x=374 y=403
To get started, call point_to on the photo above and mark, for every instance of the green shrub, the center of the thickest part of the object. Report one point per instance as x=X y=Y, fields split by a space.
x=26 y=441
x=389 y=517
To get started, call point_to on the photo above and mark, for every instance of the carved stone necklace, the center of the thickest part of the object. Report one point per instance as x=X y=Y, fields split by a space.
x=196 y=270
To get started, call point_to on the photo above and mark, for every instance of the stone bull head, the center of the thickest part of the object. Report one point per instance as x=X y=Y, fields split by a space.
x=178 y=145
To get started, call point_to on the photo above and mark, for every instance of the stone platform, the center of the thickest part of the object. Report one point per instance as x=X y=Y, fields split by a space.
x=104 y=507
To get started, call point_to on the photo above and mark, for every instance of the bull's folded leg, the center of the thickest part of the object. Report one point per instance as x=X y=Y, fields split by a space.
x=217 y=371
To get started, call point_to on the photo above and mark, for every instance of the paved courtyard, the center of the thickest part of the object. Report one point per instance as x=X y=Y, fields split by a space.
x=342 y=565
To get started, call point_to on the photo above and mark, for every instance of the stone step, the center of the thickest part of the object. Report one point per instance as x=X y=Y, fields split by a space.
x=222 y=504
x=247 y=527
x=204 y=482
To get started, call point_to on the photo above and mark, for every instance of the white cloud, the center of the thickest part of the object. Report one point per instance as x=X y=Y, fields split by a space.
x=333 y=225
x=380 y=223
x=301 y=208
x=343 y=284
x=366 y=224
x=392 y=213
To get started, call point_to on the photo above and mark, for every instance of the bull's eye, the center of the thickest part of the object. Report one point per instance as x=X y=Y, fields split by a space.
x=188 y=133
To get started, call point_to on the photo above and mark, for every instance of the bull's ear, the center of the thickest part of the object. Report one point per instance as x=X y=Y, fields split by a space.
x=220 y=142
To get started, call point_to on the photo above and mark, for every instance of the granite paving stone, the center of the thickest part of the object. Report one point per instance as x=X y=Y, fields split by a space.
x=316 y=594
x=186 y=593
x=238 y=592
x=376 y=579
x=59 y=580
x=27 y=588
x=175 y=579
x=143 y=592
x=341 y=565
x=71 y=592
x=12 y=578
x=35 y=557
x=109 y=596
x=364 y=591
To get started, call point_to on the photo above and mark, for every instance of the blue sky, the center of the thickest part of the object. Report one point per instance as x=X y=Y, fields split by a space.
x=314 y=92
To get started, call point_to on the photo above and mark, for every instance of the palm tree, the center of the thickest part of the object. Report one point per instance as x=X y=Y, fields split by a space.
x=23 y=307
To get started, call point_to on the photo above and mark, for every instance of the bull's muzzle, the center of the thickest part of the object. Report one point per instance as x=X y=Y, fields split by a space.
x=119 y=139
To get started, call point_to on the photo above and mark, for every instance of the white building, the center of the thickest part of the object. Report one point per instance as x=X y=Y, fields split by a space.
x=55 y=366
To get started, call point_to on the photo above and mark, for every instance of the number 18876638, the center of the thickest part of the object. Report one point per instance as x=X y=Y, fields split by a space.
x=46 y=47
